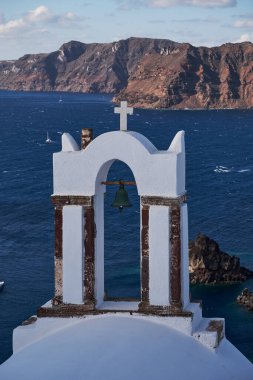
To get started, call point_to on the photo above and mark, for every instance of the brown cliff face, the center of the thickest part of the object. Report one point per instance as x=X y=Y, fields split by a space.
x=148 y=73
x=209 y=265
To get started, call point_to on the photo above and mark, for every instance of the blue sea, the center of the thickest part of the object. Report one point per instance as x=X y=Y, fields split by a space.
x=219 y=154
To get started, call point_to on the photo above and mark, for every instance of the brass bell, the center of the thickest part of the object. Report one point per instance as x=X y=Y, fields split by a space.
x=121 y=198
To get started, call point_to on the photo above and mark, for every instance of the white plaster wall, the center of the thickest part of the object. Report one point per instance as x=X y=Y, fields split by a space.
x=178 y=146
x=180 y=173
x=175 y=356
x=26 y=335
x=73 y=248
x=99 y=247
x=184 y=256
x=75 y=172
x=159 y=250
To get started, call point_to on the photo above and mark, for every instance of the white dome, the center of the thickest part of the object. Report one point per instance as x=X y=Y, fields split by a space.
x=121 y=348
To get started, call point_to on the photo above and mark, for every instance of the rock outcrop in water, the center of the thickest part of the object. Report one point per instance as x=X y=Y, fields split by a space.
x=209 y=265
x=149 y=73
x=246 y=299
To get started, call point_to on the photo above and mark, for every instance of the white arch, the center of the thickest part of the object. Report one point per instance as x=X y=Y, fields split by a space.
x=157 y=173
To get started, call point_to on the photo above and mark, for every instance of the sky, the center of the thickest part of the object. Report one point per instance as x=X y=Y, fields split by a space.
x=42 y=26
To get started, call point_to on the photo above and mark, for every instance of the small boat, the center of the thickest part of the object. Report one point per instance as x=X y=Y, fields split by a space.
x=48 y=140
x=1 y=285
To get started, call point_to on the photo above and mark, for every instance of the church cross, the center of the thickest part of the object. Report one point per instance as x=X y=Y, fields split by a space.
x=123 y=110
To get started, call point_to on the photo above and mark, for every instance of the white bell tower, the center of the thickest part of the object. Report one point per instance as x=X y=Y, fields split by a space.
x=79 y=186
x=79 y=221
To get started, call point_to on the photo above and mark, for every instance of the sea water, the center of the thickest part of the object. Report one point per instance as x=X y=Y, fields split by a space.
x=219 y=181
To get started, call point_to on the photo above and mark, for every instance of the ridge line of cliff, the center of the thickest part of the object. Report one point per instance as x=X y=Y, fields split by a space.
x=148 y=73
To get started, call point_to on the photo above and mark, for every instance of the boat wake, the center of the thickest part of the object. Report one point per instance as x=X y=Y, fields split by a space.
x=223 y=169
x=1 y=285
x=244 y=170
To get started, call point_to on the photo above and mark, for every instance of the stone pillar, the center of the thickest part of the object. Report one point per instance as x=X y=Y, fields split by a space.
x=86 y=137
x=185 y=278
x=144 y=258
x=161 y=252
x=99 y=246
x=89 y=264
x=175 y=259
x=58 y=254
x=84 y=247
x=73 y=255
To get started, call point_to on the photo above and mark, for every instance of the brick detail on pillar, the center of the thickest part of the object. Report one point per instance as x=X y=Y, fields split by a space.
x=144 y=258
x=89 y=261
x=58 y=281
x=175 y=260
x=86 y=137
x=58 y=232
x=58 y=256
x=163 y=201
x=78 y=200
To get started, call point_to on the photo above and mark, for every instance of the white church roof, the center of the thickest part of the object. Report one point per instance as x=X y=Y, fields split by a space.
x=117 y=347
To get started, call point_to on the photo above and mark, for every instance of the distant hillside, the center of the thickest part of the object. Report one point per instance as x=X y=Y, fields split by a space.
x=149 y=73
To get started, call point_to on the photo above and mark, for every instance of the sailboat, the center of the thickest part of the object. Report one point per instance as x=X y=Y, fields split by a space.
x=48 y=140
x=60 y=100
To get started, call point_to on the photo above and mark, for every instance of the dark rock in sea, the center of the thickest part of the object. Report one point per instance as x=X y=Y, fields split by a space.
x=148 y=73
x=209 y=265
x=246 y=299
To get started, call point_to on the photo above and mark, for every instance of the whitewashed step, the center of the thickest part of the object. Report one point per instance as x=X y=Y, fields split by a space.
x=210 y=332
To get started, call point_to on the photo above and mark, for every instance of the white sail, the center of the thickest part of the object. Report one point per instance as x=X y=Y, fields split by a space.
x=48 y=140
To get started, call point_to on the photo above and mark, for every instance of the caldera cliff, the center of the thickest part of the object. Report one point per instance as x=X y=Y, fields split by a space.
x=209 y=265
x=148 y=73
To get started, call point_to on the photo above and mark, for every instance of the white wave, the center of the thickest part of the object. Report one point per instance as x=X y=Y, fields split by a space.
x=244 y=170
x=223 y=169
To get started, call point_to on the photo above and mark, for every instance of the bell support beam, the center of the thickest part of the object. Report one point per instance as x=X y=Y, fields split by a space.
x=130 y=183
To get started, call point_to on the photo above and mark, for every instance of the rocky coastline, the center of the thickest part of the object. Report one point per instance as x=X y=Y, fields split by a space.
x=209 y=265
x=246 y=299
x=148 y=73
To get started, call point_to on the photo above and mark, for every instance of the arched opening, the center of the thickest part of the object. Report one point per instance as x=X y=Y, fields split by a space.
x=121 y=239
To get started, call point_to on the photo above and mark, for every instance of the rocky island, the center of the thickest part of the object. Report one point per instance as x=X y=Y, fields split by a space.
x=246 y=299
x=148 y=73
x=209 y=265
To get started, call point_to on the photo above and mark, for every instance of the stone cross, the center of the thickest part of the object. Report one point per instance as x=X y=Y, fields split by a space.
x=123 y=110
